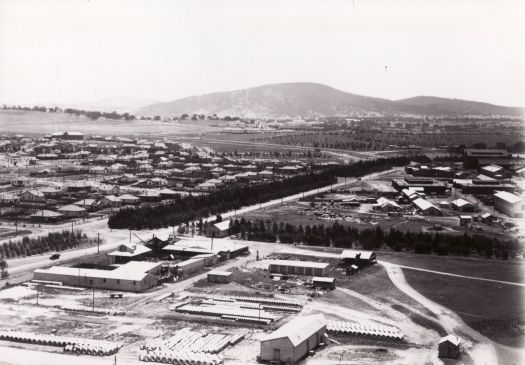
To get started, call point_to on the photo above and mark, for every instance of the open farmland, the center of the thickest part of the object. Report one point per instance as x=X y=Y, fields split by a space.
x=35 y=123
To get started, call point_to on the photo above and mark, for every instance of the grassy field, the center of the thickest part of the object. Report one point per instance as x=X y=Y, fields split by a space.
x=495 y=310
x=511 y=270
x=34 y=123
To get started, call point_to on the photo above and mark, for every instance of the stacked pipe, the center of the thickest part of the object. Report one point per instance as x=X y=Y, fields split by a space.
x=357 y=329
x=248 y=305
x=270 y=301
x=227 y=310
x=180 y=357
x=70 y=344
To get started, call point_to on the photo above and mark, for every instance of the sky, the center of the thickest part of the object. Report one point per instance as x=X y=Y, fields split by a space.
x=79 y=51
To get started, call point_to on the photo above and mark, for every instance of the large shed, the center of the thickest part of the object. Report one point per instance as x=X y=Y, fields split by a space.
x=293 y=341
x=292 y=267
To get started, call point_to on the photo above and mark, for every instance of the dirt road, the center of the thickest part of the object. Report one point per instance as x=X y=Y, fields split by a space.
x=479 y=348
x=462 y=276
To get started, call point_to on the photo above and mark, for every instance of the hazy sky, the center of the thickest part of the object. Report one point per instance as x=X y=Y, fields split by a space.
x=74 y=51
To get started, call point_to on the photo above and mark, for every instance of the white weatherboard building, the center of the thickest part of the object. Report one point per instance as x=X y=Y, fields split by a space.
x=509 y=204
x=293 y=341
x=134 y=276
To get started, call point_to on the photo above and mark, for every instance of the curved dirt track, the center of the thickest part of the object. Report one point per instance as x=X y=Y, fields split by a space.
x=479 y=348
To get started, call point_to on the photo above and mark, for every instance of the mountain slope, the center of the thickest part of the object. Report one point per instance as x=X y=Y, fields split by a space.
x=435 y=105
x=299 y=100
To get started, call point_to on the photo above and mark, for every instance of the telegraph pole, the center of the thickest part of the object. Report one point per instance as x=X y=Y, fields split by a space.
x=93 y=299
x=98 y=242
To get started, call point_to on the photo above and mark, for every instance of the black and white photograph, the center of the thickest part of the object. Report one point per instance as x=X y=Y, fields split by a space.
x=279 y=182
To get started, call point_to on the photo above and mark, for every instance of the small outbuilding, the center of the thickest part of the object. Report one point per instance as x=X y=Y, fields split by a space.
x=293 y=341
x=359 y=258
x=219 y=229
x=449 y=347
x=463 y=205
x=323 y=283
x=221 y=277
x=465 y=219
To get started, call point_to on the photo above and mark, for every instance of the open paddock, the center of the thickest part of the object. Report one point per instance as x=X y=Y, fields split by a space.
x=495 y=310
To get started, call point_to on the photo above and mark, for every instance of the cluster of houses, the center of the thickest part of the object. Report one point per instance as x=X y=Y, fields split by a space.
x=127 y=172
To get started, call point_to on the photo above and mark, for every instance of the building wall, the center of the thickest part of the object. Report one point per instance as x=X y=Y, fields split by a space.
x=448 y=350
x=90 y=282
x=283 y=344
x=296 y=270
x=288 y=351
x=191 y=266
x=512 y=210
x=219 y=279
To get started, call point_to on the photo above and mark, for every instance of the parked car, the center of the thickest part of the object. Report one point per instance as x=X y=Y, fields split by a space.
x=54 y=256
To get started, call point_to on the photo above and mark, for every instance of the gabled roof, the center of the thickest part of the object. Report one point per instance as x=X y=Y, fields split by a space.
x=455 y=340
x=223 y=226
x=46 y=213
x=423 y=204
x=352 y=254
x=299 y=329
x=508 y=197
x=71 y=208
x=492 y=168
x=128 y=197
x=461 y=202
x=86 y=202
x=112 y=198
x=296 y=263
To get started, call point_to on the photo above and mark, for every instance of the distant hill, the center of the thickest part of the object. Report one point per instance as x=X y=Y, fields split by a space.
x=112 y=104
x=435 y=105
x=304 y=99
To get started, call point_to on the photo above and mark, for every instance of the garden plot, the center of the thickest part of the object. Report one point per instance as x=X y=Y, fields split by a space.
x=189 y=347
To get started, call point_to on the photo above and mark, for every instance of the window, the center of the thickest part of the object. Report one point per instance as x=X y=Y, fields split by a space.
x=103 y=280
x=118 y=281
x=134 y=283
x=90 y=281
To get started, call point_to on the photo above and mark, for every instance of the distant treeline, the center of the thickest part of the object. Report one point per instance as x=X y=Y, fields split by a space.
x=53 y=242
x=189 y=208
x=338 y=235
x=91 y=114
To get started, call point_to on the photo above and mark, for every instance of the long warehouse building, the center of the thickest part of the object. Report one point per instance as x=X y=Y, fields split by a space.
x=292 y=267
x=134 y=276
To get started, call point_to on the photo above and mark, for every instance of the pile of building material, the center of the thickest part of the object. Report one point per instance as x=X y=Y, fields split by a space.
x=189 y=347
x=269 y=301
x=233 y=303
x=357 y=329
x=70 y=344
x=230 y=312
